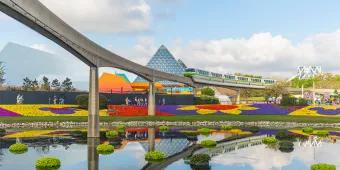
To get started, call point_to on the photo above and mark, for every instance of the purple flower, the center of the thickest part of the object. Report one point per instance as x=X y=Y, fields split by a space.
x=324 y=111
x=172 y=109
x=4 y=112
x=266 y=109
x=64 y=110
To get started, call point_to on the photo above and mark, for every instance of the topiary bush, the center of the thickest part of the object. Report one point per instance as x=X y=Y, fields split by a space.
x=121 y=128
x=307 y=130
x=269 y=140
x=83 y=101
x=207 y=91
x=2 y=132
x=111 y=134
x=164 y=128
x=18 y=148
x=286 y=146
x=204 y=131
x=105 y=149
x=252 y=129
x=208 y=143
x=200 y=159
x=323 y=166
x=47 y=163
x=322 y=133
x=155 y=156
x=206 y=100
x=283 y=135
x=226 y=127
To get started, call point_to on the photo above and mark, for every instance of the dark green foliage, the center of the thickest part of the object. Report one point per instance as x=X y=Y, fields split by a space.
x=207 y=91
x=45 y=84
x=323 y=166
x=67 y=85
x=307 y=130
x=47 y=163
x=206 y=100
x=286 y=146
x=2 y=132
x=155 y=156
x=292 y=101
x=18 y=148
x=200 y=159
x=105 y=149
x=55 y=85
x=83 y=101
x=252 y=129
x=283 y=135
x=208 y=143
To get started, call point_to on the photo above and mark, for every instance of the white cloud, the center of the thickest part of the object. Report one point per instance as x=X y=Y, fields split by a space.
x=103 y=15
x=43 y=47
x=262 y=53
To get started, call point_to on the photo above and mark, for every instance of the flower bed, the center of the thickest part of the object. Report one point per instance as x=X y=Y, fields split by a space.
x=265 y=109
x=123 y=110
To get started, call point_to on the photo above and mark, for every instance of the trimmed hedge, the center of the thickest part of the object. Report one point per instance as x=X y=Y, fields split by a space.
x=204 y=131
x=269 y=140
x=105 y=149
x=286 y=146
x=293 y=101
x=83 y=101
x=200 y=159
x=226 y=127
x=18 y=148
x=155 y=156
x=307 y=130
x=323 y=166
x=111 y=134
x=164 y=128
x=208 y=143
x=207 y=91
x=206 y=100
x=50 y=163
x=322 y=133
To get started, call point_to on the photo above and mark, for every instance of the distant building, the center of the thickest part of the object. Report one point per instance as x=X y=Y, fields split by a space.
x=305 y=72
x=112 y=83
x=164 y=61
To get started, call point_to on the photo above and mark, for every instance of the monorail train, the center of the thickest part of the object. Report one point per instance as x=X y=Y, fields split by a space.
x=211 y=76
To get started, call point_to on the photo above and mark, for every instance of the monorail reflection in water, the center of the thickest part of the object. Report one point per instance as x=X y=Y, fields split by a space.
x=232 y=151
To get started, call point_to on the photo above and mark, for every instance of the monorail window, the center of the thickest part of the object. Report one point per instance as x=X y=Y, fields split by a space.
x=190 y=70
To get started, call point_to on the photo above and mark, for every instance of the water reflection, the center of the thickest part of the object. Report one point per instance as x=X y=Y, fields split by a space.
x=151 y=138
x=92 y=155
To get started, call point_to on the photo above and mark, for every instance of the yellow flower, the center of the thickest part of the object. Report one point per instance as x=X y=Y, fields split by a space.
x=29 y=134
x=205 y=111
x=239 y=109
x=187 y=108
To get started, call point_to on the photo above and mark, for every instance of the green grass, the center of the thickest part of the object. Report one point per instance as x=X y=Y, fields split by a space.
x=244 y=118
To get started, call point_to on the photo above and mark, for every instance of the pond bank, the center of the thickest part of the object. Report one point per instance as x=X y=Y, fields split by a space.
x=261 y=124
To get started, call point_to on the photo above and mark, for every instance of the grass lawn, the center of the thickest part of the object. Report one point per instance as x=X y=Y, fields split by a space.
x=244 y=118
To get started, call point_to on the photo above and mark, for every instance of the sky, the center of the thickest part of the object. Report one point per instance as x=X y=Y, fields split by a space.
x=265 y=37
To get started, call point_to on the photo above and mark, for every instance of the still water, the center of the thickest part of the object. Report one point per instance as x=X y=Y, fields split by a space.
x=238 y=149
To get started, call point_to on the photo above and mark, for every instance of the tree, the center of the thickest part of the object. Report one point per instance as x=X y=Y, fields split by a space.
x=27 y=84
x=246 y=93
x=46 y=84
x=2 y=73
x=67 y=85
x=276 y=90
x=55 y=85
x=207 y=91
x=34 y=85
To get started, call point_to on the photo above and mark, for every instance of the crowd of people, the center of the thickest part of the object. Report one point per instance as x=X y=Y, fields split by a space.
x=140 y=101
x=55 y=100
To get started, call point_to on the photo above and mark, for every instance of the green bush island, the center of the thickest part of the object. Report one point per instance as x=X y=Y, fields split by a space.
x=155 y=156
x=208 y=143
x=307 y=130
x=83 y=101
x=105 y=149
x=322 y=133
x=204 y=131
x=226 y=127
x=283 y=135
x=323 y=166
x=200 y=159
x=252 y=129
x=286 y=146
x=47 y=163
x=18 y=148
x=121 y=128
x=111 y=134
x=164 y=128
x=269 y=140
x=203 y=99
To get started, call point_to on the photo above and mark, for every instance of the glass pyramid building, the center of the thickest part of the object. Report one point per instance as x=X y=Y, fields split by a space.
x=164 y=61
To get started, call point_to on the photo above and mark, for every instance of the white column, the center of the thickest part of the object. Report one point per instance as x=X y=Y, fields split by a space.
x=238 y=96
x=93 y=117
x=152 y=99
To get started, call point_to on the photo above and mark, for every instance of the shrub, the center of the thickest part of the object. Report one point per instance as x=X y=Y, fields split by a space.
x=121 y=128
x=226 y=127
x=293 y=101
x=206 y=100
x=308 y=130
x=164 y=128
x=286 y=146
x=322 y=133
x=50 y=163
x=323 y=166
x=252 y=129
x=204 y=131
x=18 y=148
x=269 y=140
x=83 y=101
x=2 y=132
x=155 y=156
x=111 y=134
x=200 y=159
x=283 y=135
x=105 y=149
x=207 y=91
x=208 y=143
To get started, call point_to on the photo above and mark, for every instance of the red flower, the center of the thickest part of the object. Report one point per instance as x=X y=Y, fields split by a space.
x=216 y=107
x=122 y=110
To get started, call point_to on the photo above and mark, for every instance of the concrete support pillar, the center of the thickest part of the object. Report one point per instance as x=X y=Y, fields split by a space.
x=194 y=90
x=151 y=138
x=92 y=155
x=93 y=118
x=238 y=96
x=152 y=99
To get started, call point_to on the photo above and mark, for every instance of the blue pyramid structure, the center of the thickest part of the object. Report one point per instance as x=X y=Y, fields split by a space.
x=164 y=61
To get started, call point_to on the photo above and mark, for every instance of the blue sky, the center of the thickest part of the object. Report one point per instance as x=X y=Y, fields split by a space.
x=250 y=36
